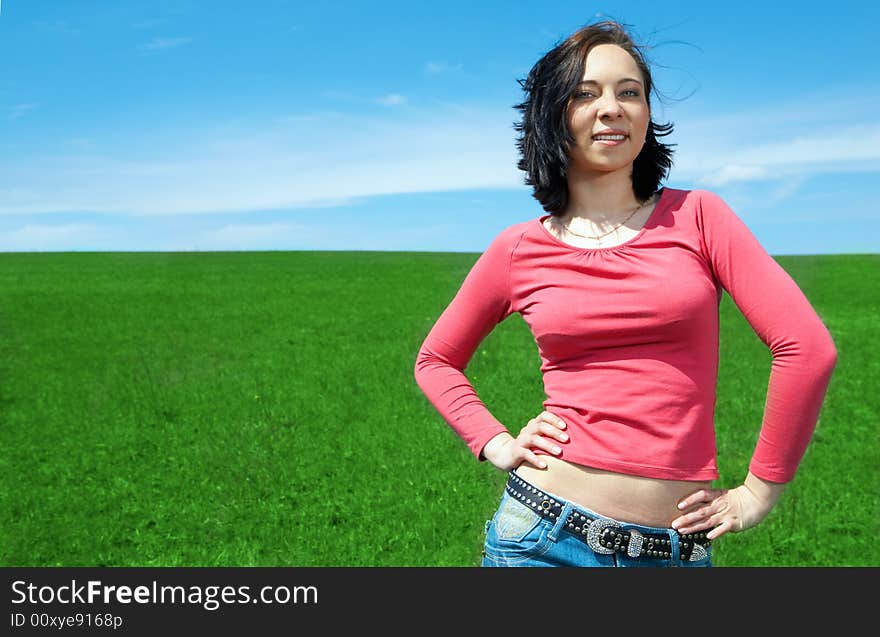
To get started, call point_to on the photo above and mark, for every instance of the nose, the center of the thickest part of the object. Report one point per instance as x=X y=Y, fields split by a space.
x=608 y=106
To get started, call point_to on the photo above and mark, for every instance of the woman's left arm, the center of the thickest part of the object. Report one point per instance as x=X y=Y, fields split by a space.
x=804 y=357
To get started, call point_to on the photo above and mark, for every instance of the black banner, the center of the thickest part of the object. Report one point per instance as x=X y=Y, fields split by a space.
x=278 y=601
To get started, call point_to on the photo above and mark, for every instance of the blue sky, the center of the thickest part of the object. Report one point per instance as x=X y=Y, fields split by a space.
x=159 y=125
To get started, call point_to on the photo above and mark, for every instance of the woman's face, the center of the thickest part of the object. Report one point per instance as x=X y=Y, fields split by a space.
x=611 y=97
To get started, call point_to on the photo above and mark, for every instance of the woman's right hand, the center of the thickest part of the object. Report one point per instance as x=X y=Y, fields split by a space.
x=544 y=432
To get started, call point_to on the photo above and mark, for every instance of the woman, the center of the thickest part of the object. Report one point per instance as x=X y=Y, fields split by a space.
x=620 y=285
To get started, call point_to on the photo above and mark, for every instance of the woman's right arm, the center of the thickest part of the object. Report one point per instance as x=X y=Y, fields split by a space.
x=482 y=301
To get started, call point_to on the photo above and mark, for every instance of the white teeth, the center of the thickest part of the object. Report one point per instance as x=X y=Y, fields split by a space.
x=611 y=137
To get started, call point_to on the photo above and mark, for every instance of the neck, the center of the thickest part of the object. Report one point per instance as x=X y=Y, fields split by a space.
x=602 y=198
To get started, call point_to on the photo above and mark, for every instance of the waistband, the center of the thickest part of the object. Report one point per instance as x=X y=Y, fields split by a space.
x=607 y=535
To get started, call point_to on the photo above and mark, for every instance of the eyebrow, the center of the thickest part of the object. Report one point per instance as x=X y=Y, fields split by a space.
x=621 y=81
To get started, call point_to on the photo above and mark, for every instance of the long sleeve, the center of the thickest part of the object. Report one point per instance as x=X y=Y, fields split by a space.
x=804 y=354
x=482 y=301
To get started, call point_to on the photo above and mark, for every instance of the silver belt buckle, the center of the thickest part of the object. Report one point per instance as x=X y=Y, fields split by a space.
x=594 y=532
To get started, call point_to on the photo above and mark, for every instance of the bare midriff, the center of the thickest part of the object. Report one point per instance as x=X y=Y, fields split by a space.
x=627 y=498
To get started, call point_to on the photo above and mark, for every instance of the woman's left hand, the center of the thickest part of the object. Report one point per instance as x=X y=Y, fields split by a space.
x=727 y=510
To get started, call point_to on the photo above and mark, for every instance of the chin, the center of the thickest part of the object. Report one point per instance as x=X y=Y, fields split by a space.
x=598 y=167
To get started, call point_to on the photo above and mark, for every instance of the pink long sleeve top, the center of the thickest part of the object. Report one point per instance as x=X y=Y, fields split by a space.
x=628 y=341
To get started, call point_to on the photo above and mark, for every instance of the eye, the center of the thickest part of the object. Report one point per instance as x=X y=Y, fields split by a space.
x=586 y=94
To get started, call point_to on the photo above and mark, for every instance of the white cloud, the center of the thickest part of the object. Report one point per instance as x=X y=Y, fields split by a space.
x=251 y=236
x=436 y=68
x=392 y=100
x=159 y=44
x=786 y=188
x=732 y=172
x=37 y=238
x=294 y=162
x=712 y=158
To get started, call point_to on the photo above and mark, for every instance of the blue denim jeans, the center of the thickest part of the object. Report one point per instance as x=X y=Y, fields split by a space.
x=518 y=536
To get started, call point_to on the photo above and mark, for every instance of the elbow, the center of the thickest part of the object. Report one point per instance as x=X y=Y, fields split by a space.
x=429 y=362
x=440 y=358
x=426 y=360
x=814 y=349
x=829 y=353
x=822 y=352
x=825 y=352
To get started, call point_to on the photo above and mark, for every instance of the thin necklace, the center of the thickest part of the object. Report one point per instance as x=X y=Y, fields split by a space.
x=586 y=236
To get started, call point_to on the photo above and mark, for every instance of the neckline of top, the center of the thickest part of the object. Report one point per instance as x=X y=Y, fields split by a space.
x=661 y=201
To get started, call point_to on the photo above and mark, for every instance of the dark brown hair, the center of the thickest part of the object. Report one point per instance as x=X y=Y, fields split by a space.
x=544 y=137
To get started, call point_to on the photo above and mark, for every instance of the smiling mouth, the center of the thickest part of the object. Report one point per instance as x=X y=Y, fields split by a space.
x=611 y=138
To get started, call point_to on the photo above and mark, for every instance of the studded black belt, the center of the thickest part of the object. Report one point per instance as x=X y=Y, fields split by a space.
x=605 y=535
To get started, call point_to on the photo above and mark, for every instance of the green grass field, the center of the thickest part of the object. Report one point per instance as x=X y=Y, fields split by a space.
x=259 y=408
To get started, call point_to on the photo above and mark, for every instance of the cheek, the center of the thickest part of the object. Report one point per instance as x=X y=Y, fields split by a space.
x=640 y=119
x=580 y=120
